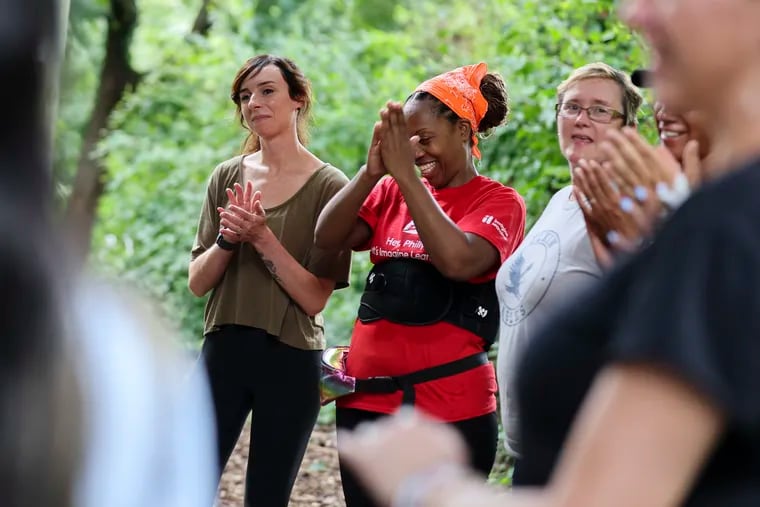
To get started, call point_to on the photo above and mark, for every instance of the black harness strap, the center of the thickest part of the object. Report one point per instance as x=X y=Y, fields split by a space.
x=406 y=383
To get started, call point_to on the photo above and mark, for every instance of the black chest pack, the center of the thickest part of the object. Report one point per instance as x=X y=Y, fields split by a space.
x=415 y=293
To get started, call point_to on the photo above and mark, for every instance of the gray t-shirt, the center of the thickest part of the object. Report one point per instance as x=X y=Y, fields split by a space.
x=552 y=264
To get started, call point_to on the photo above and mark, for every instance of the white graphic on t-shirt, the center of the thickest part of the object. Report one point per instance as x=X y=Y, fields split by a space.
x=396 y=247
x=531 y=271
x=410 y=228
x=491 y=220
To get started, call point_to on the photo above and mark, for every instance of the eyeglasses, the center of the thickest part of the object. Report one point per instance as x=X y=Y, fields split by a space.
x=596 y=113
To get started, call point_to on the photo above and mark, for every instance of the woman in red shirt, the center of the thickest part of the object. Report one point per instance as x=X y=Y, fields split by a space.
x=429 y=308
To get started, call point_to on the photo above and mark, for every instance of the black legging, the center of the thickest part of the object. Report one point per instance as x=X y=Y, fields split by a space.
x=480 y=435
x=249 y=369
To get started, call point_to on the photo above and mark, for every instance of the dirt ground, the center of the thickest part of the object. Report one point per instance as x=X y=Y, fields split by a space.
x=318 y=482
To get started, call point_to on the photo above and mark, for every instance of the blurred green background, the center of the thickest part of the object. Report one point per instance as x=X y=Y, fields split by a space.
x=144 y=112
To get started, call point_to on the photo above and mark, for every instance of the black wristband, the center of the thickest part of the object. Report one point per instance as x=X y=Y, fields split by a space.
x=224 y=244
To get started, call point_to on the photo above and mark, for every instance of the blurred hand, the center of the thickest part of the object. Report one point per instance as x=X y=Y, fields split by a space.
x=639 y=171
x=636 y=165
x=600 y=200
x=385 y=453
x=615 y=223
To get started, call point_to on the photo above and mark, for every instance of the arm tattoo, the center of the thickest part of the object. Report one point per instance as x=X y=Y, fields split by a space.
x=272 y=269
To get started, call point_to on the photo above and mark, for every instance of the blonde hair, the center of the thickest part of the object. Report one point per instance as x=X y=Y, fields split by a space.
x=632 y=98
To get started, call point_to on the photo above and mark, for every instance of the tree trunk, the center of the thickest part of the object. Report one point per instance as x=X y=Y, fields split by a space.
x=115 y=77
x=202 y=22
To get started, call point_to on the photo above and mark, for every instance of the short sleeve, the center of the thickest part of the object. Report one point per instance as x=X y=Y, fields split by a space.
x=208 y=222
x=693 y=306
x=330 y=264
x=370 y=209
x=499 y=218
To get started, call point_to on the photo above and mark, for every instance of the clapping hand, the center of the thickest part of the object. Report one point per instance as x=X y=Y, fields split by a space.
x=244 y=217
x=646 y=173
x=375 y=166
x=611 y=227
x=396 y=147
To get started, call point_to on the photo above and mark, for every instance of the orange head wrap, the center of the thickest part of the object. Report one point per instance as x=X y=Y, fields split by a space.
x=459 y=89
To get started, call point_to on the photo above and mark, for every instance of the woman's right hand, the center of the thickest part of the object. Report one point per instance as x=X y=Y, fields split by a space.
x=602 y=203
x=635 y=165
x=375 y=166
x=386 y=453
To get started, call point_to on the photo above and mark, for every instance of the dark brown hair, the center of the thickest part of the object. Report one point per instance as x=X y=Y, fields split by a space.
x=299 y=88
x=494 y=91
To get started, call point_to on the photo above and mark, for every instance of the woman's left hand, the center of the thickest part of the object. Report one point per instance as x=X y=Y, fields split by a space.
x=397 y=148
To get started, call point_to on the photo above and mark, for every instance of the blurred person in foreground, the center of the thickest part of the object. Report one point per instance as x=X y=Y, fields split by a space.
x=645 y=392
x=145 y=416
x=40 y=420
x=95 y=409
x=254 y=251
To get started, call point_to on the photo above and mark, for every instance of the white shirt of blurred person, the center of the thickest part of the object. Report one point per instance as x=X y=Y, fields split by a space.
x=146 y=420
x=556 y=259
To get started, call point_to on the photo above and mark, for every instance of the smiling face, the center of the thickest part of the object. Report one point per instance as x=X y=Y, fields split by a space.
x=265 y=103
x=580 y=137
x=676 y=130
x=442 y=153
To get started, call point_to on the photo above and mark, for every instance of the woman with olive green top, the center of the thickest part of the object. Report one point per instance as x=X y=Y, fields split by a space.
x=255 y=252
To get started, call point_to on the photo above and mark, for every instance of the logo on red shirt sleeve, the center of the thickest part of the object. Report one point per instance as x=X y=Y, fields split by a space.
x=491 y=220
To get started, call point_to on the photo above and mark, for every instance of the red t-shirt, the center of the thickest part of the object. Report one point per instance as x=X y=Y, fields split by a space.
x=481 y=206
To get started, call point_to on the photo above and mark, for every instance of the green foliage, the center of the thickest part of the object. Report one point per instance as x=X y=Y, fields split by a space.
x=168 y=134
x=541 y=43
